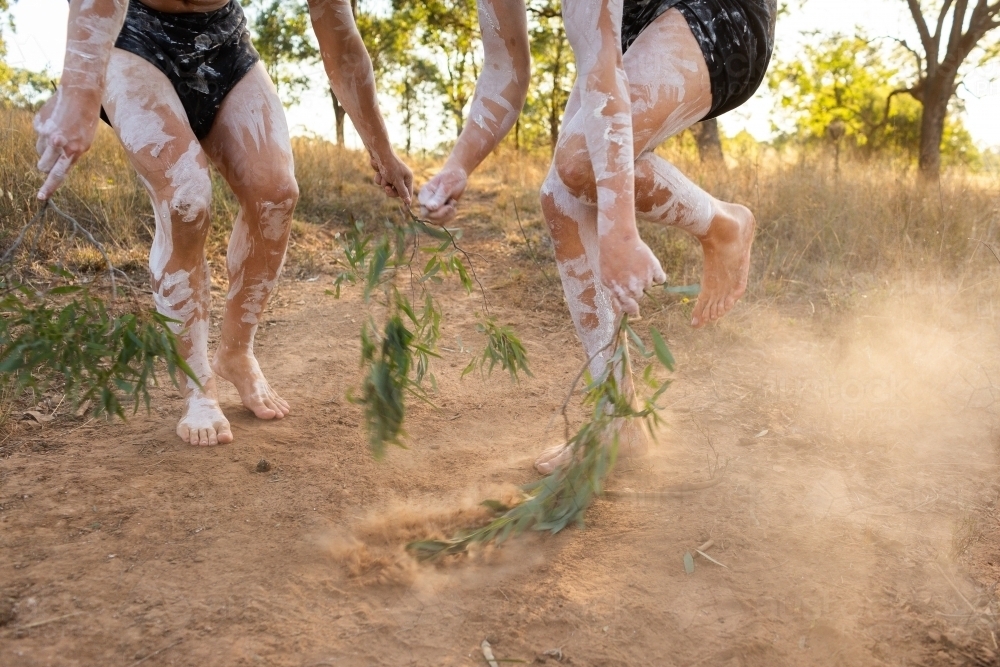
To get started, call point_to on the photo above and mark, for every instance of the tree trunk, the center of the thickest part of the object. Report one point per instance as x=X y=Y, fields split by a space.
x=338 y=114
x=338 y=110
x=706 y=134
x=936 y=95
x=408 y=114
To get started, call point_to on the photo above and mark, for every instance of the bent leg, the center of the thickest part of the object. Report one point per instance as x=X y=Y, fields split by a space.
x=725 y=231
x=249 y=144
x=573 y=227
x=605 y=126
x=153 y=127
x=670 y=90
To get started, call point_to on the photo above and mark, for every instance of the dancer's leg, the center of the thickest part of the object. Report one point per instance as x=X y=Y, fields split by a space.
x=627 y=267
x=249 y=144
x=670 y=90
x=153 y=127
x=573 y=227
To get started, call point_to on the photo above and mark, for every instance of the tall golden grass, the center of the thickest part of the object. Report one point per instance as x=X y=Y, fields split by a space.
x=818 y=227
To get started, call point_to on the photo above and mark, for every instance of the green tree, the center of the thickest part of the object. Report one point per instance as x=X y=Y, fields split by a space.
x=959 y=36
x=552 y=75
x=445 y=34
x=281 y=35
x=850 y=90
x=18 y=86
x=401 y=68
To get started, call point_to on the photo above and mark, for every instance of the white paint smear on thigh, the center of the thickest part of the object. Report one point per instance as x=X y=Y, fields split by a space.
x=192 y=186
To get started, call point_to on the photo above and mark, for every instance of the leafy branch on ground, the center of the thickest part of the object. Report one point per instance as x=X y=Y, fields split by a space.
x=395 y=264
x=562 y=498
x=64 y=335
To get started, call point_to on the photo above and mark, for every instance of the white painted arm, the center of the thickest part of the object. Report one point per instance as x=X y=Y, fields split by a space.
x=67 y=122
x=499 y=97
x=352 y=79
x=627 y=265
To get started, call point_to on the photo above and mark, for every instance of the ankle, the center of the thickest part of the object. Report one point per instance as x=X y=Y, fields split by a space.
x=233 y=350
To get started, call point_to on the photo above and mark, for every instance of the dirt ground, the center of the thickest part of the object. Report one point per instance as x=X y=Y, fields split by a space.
x=855 y=522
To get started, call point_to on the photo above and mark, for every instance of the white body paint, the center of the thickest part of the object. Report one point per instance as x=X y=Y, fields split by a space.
x=192 y=186
x=138 y=121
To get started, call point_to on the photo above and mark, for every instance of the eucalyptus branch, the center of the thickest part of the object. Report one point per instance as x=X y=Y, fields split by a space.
x=424 y=226
x=74 y=342
x=562 y=498
x=397 y=348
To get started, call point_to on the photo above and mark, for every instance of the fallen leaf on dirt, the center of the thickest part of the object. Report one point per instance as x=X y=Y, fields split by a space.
x=36 y=416
x=688 y=562
x=488 y=653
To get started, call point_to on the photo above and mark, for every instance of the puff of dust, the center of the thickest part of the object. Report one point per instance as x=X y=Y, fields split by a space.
x=372 y=551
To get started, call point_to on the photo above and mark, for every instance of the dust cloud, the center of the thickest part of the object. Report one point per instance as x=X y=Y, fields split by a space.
x=856 y=437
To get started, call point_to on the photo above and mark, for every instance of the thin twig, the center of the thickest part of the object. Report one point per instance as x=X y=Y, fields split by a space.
x=154 y=653
x=991 y=248
x=709 y=558
x=20 y=237
x=675 y=491
x=527 y=241
x=94 y=242
x=50 y=620
x=955 y=588
x=454 y=243
x=583 y=369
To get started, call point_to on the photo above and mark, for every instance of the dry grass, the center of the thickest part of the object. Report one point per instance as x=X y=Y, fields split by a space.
x=818 y=231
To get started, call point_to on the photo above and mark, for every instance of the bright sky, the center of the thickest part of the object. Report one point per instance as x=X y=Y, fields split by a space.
x=41 y=34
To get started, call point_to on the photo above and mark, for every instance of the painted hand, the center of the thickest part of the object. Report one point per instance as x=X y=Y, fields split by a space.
x=64 y=134
x=439 y=198
x=394 y=177
x=629 y=268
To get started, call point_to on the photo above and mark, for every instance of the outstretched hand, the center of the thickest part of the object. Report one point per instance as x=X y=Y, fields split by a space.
x=628 y=269
x=439 y=198
x=394 y=177
x=64 y=134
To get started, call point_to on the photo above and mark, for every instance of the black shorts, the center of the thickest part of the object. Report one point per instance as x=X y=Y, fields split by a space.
x=736 y=38
x=204 y=54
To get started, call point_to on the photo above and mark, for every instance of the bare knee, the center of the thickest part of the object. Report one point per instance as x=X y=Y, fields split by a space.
x=270 y=205
x=182 y=214
x=572 y=162
x=190 y=204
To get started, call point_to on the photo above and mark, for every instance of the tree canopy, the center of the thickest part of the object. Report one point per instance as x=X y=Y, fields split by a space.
x=855 y=89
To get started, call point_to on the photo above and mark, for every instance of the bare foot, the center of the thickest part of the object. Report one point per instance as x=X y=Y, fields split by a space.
x=241 y=368
x=553 y=458
x=628 y=268
x=632 y=444
x=203 y=422
x=727 y=262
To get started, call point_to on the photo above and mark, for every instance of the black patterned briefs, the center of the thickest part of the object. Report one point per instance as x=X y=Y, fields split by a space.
x=203 y=54
x=736 y=38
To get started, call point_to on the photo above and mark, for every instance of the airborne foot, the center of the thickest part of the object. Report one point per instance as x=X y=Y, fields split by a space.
x=241 y=368
x=632 y=444
x=727 y=262
x=203 y=422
